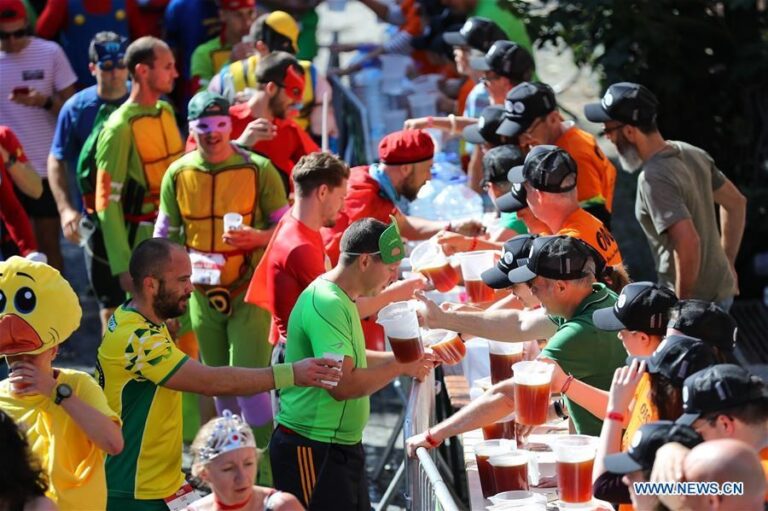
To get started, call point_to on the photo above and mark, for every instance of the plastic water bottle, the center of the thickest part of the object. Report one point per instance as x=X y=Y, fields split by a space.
x=457 y=202
x=367 y=85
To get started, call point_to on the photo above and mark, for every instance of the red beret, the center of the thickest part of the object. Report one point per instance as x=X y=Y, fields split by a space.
x=407 y=146
x=233 y=5
x=12 y=10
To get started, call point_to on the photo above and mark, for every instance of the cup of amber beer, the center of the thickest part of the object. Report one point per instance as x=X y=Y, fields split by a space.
x=513 y=471
x=473 y=264
x=483 y=452
x=532 y=384
x=446 y=344
x=401 y=326
x=503 y=355
x=429 y=260
x=574 y=457
x=502 y=428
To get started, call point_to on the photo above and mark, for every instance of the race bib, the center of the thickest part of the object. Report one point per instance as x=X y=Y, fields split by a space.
x=206 y=268
x=182 y=498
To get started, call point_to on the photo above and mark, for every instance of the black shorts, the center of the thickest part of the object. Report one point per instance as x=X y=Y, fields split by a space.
x=44 y=207
x=105 y=286
x=322 y=476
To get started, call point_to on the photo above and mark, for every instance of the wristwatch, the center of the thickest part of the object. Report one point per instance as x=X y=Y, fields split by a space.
x=63 y=391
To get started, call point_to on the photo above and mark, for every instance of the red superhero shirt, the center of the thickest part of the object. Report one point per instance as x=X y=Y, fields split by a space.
x=11 y=211
x=364 y=199
x=288 y=146
x=142 y=21
x=294 y=258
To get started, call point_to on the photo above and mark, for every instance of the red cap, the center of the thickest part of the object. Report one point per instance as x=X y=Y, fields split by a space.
x=407 y=146
x=233 y=5
x=12 y=10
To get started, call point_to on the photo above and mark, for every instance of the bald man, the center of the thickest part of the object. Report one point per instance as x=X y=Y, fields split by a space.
x=722 y=461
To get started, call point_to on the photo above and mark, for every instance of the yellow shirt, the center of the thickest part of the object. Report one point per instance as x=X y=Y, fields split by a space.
x=74 y=464
x=135 y=358
x=643 y=411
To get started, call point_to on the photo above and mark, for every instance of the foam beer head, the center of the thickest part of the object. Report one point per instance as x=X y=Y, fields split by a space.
x=575 y=448
x=533 y=372
x=399 y=320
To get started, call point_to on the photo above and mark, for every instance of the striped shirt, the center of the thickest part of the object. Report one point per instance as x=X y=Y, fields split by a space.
x=42 y=66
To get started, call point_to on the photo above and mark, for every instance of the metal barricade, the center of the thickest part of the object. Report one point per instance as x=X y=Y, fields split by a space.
x=352 y=122
x=425 y=489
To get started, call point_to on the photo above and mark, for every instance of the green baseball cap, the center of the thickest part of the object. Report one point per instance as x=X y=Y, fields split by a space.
x=206 y=104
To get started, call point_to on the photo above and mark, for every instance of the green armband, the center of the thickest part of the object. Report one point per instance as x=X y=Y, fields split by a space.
x=283 y=374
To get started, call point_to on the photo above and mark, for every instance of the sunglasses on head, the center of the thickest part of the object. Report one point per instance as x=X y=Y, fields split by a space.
x=109 y=64
x=18 y=34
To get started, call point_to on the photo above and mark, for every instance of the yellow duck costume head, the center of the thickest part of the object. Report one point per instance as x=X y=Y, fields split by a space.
x=38 y=307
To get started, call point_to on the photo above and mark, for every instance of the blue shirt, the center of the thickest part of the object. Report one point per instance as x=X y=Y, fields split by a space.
x=477 y=100
x=188 y=24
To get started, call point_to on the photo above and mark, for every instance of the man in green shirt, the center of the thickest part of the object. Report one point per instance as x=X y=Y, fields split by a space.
x=319 y=434
x=198 y=190
x=560 y=271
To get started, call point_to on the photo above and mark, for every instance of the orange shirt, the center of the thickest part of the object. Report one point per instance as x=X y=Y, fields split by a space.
x=764 y=463
x=591 y=231
x=643 y=411
x=596 y=176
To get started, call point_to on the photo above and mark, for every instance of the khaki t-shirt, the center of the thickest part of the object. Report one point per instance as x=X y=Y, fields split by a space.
x=676 y=184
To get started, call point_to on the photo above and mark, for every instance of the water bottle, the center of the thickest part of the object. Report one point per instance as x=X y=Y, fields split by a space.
x=458 y=202
x=85 y=230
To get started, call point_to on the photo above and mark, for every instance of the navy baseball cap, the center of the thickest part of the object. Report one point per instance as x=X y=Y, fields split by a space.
x=553 y=257
x=547 y=168
x=641 y=306
x=507 y=59
x=525 y=103
x=646 y=441
x=511 y=253
x=484 y=131
x=478 y=33
x=625 y=102
x=677 y=357
x=720 y=388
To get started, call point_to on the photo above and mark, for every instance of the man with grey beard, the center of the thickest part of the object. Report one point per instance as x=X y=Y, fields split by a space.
x=675 y=193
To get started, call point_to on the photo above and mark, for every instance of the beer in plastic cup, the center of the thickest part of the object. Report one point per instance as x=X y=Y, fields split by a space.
x=502 y=428
x=16 y=387
x=401 y=326
x=532 y=385
x=575 y=456
x=233 y=222
x=428 y=259
x=511 y=470
x=473 y=264
x=483 y=452
x=518 y=499
x=503 y=355
x=446 y=344
x=338 y=357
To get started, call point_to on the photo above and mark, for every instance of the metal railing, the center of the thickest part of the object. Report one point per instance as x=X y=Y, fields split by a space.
x=352 y=122
x=425 y=489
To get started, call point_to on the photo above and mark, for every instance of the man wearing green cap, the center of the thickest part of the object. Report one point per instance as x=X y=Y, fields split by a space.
x=198 y=190
x=319 y=434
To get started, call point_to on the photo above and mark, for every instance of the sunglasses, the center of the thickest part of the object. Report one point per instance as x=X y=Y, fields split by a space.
x=109 y=64
x=17 y=34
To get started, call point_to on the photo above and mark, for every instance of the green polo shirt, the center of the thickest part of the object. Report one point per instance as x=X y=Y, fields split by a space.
x=324 y=320
x=591 y=355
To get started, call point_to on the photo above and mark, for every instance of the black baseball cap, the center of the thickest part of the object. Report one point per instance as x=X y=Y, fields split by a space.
x=498 y=161
x=625 y=102
x=553 y=257
x=484 y=131
x=525 y=103
x=513 y=251
x=514 y=200
x=646 y=441
x=547 y=168
x=706 y=321
x=507 y=59
x=477 y=33
x=677 y=357
x=719 y=388
x=642 y=306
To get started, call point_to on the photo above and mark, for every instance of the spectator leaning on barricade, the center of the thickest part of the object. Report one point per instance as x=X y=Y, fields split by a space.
x=130 y=157
x=142 y=372
x=277 y=31
x=263 y=124
x=37 y=79
x=73 y=152
x=676 y=193
x=560 y=271
x=385 y=188
x=549 y=176
x=208 y=58
x=316 y=449
x=65 y=414
x=531 y=118
x=197 y=191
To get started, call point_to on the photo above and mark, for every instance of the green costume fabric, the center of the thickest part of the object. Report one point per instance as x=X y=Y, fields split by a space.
x=324 y=320
x=128 y=181
x=509 y=23
x=308 y=36
x=591 y=355
x=204 y=65
x=512 y=221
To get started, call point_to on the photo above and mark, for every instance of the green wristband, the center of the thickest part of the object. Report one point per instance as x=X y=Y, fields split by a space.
x=283 y=374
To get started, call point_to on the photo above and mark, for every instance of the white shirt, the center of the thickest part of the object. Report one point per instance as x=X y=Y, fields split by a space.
x=42 y=66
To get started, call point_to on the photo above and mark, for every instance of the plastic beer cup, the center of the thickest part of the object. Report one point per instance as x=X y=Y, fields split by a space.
x=574 y=457
x=532 y=385
x=503 y=355
x=483 y=452
x=429 y=260
x=401 y=326
x=473 y=264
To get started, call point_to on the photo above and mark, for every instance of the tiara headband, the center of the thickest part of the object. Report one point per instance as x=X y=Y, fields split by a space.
x=229 y=433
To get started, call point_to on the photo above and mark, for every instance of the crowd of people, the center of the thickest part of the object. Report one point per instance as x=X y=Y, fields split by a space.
x=178 y=144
